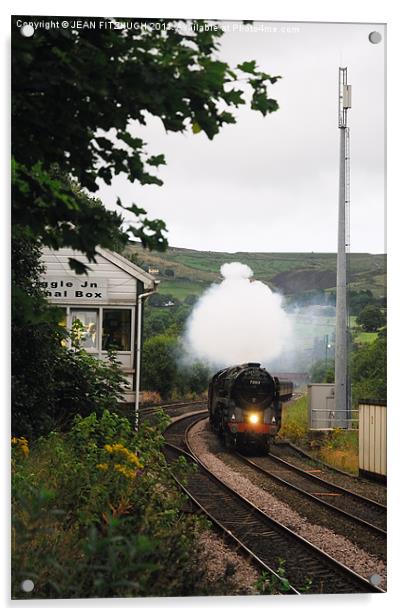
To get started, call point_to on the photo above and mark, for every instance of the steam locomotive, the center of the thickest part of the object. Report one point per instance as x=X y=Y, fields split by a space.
x=245 y=405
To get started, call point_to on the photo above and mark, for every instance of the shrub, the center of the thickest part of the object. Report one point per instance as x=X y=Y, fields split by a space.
x=96 y=513
x=294 y=420
x=371 y=318
x=151 y=398
x=369 y=370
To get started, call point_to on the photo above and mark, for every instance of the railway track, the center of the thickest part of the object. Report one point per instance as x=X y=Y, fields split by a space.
x=364 y=487
x=171 y=408
x=308 y=569
x=362 y=510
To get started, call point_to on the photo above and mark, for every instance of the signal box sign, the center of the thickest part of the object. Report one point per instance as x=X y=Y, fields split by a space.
x=84 y=289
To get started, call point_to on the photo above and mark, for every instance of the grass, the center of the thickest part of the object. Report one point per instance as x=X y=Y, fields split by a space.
x=341 y=450
x=359 y=336
x=337 y=447
x=365 y=337
x=197 y=266
x=295 y=420
x=180 y=289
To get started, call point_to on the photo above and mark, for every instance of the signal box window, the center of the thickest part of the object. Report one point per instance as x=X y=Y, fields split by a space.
x=89 y=320
x=116 y=330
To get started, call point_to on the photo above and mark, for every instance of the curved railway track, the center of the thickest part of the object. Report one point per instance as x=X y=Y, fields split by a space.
x=171 y=408
x=362 y=510
x=269 y=542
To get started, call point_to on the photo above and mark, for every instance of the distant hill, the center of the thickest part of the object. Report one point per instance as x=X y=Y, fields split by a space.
x=184 y=272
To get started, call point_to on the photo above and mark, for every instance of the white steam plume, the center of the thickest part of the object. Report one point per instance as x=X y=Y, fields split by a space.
x=238 y=321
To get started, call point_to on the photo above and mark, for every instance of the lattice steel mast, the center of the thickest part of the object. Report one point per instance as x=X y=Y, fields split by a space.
x=341 y=334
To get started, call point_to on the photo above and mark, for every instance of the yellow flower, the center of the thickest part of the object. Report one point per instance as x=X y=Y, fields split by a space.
x=132 y=457
x=118 y=448
x=125 y=471
x=22 y=443
x=102 y=467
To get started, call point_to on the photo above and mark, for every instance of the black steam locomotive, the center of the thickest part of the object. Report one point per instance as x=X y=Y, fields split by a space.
x=245 y=405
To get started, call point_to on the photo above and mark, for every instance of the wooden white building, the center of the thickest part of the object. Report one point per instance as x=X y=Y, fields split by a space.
x=105 y=300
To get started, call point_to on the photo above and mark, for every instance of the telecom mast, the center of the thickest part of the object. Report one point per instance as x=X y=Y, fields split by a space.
x=342 y=396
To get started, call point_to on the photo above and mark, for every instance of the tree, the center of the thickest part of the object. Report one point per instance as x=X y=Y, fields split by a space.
x=157 y=321
x=159 y=364
x=371 y=318
x=191 y=299
x=76 y=96
x=369 y=370
x=322 y=372
x=196 y=378
x=358 y=299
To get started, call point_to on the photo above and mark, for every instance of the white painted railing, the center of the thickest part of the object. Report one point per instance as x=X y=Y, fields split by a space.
x=327 y=419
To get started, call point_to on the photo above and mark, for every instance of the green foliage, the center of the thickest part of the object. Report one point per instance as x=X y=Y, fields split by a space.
x=107 y=520
x=58 y=214
x=322 y=372
x=193 y=378
x=294 y=420
x=111 y=78
x=191 y=299
x=358 y=299
x=269 y=584
x=164 y=372
x=159 y=300
x=371 y=318
x=50 y=383
x=36 y=340
x=369 y=370
x=86 y=384
x=195 y=269
x=337 y=447
x=159 y=364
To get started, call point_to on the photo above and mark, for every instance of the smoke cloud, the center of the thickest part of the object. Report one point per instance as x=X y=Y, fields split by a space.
x=238 y=320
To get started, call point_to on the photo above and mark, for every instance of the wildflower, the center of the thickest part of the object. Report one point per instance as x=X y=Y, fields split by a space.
x=102 y=467
x=22 y=444
x=125 y=471
x=118 y=448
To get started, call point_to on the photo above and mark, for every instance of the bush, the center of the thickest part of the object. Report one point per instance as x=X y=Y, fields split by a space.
x=369 y=370
x=294 y=420
x=107 y=520
x=163 y=372
x=371 y=318
x=150 y=398
x=70 y=381
x=322 y=371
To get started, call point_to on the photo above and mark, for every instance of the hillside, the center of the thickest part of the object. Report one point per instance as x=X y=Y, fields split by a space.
x=184 y=271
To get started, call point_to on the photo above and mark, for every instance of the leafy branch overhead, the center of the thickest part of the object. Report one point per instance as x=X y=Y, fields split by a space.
x=77 y=96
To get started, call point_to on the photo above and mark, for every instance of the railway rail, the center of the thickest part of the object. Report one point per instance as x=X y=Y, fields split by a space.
x=364 y=487
x=364 y=511
x=171 y=408
x=307 y=567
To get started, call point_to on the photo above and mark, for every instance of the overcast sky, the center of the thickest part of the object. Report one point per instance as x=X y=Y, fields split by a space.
x=271 y=184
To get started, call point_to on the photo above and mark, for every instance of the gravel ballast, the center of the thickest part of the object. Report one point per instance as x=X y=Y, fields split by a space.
x=364 y=487
x=227 y=569
x=204 y=443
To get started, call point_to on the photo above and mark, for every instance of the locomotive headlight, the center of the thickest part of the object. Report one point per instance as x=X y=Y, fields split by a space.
x=253 y=418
